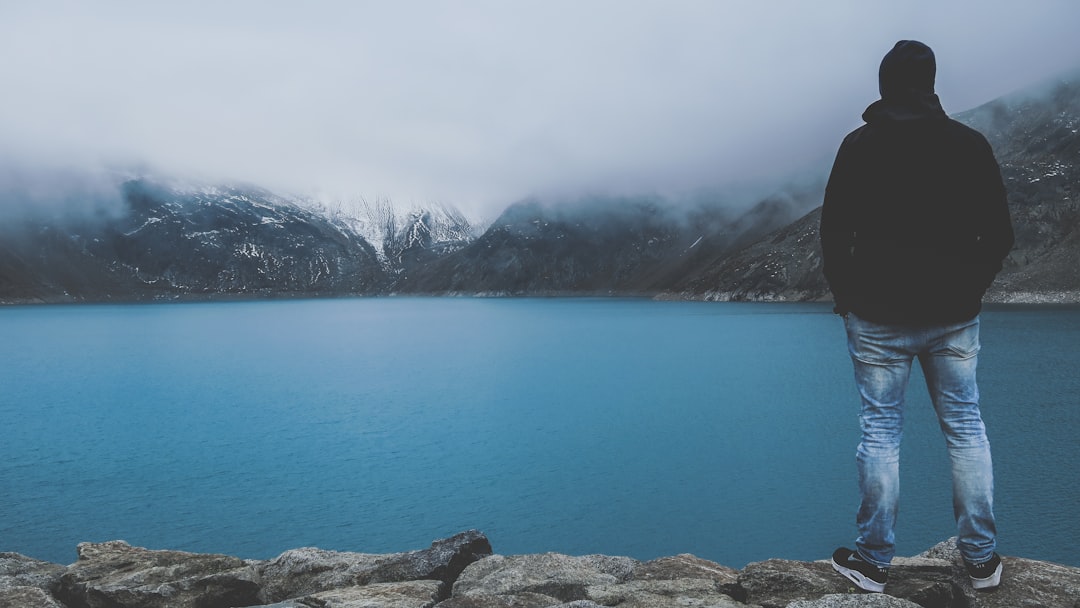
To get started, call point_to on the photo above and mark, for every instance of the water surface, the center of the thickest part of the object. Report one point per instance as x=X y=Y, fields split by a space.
x=624 y=427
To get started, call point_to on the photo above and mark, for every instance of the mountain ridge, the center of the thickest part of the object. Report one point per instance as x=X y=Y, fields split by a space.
x=164 y=242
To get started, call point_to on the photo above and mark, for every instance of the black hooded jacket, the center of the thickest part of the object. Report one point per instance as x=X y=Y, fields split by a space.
x=915 y=222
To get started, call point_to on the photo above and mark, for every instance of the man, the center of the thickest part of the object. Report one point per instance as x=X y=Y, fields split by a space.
x=914 y=228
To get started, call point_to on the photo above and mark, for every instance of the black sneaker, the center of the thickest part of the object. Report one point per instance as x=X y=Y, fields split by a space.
x=986 y=575
x=865 y=575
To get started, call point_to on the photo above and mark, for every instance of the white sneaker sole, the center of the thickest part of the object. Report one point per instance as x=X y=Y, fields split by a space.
x=989 y=582
x=861 y=581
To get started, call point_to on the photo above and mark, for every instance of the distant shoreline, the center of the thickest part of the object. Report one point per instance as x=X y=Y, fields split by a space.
x=992 y=300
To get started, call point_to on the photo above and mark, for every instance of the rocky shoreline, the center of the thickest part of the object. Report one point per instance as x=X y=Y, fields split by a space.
x=463 y=572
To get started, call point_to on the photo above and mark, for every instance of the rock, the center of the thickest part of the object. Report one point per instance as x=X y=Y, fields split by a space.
x=519 y=600
x=678 y=593
x=21 y=571
x=309 y=571
x=530 y=581
x=409 y=594
x=27 y=597
x=685 y=566
x=562 y=577
x=679 y=581
x=116 y=575
x=775 y=583
x=945 y=550
x=1024 y=582
x=854 y=601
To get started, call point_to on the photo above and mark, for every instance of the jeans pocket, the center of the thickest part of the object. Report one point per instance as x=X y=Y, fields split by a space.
x=873 y=343
x=963 y=342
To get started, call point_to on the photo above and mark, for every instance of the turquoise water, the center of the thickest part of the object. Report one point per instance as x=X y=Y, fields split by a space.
x=625 y=427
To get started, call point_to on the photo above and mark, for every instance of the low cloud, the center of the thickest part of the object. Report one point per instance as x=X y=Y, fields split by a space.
x=53 y=193
x=481 y=103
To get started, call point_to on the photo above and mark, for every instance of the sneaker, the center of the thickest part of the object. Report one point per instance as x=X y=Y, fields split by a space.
x=865 y=575
x=986 y=575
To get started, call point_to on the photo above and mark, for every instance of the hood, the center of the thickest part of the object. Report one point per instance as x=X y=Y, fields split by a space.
x=906 y=82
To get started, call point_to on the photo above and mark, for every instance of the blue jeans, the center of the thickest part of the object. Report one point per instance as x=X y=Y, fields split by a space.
x=948 y=354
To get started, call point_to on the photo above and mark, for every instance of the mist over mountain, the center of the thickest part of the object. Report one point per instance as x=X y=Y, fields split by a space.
x=70 y=237
x=162 y=241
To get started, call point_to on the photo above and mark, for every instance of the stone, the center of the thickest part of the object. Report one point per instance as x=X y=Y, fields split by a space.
x=677 y=593
x=685 y=566
x=869 y=600
x=680 y=581
x=945 y=550
x=1028 y=583
x=456 y=573
x=775 y=583
x=309 y=571
x=518 y=600
x=21 y=571
x=117 y=575
x=408 y=594
x=562 y=577
x=27 y=597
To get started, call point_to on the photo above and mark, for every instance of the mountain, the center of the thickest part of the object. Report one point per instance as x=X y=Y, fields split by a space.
x=403 y=238
x=599 y=246
x=1034 y=136
x=166 y=242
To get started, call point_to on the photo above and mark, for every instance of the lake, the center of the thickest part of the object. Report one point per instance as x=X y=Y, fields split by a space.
x=615 y=426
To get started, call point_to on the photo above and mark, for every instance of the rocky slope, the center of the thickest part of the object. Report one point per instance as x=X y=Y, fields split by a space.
x=601 y=245
x=462 y=572
x=163 y=242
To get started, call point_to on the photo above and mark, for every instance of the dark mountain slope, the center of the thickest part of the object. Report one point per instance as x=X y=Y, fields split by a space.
x=623 y=246
x=597 y=247
x=167 y=243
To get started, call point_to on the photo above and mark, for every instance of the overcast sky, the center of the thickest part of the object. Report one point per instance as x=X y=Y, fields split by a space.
x=482 y=103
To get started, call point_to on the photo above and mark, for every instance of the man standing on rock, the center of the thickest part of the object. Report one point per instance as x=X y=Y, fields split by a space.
x=914 y=228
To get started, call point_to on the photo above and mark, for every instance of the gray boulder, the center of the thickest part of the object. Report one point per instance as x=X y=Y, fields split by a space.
x=26 y=582
x=309 y=571
x=855 y=601
x=686 y=566
x=551 y=579
x=562 y=577
x=21 y=571
x=117 y=575
x=27 y=597
x=933 y=579
x=681 y=581
x=408 y=594
x=775 y=583
x=678 y=593
x=518 y=600
x=1024 y=582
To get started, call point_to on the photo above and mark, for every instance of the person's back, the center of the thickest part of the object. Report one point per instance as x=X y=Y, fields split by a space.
x=914 y=227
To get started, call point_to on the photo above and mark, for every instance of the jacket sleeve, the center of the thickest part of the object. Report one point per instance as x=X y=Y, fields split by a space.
x=837 y=228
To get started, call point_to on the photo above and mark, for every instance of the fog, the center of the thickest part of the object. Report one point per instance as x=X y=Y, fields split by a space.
x=477 y=103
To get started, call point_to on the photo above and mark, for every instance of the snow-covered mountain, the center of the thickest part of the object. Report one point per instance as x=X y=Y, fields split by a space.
x=401 y=234
x=167 y=240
